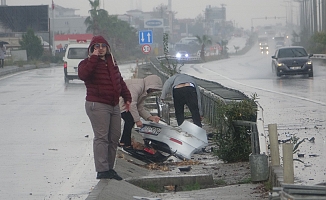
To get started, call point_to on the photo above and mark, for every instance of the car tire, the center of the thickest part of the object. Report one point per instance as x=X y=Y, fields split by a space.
x=311 y=74
x=278 y=74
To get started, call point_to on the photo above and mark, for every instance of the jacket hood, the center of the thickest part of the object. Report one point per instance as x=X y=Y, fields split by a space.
x=98 y=39
x=153 y=82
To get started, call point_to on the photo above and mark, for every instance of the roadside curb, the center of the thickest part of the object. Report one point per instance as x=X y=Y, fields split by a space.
x=14 y=69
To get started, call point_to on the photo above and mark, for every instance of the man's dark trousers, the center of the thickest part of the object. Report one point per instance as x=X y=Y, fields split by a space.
x=129 y=124
x=186 y=96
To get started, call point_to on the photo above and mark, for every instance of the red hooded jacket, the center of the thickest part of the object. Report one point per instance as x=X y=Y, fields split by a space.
x=102 y=78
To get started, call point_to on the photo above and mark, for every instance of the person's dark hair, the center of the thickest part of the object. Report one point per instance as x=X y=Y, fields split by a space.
x=92 y=48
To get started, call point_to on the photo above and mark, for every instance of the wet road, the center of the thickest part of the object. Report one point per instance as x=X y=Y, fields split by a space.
x=296 y=104
x=46 y=138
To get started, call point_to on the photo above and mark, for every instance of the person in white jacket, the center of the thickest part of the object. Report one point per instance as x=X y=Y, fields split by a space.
x=139 y=89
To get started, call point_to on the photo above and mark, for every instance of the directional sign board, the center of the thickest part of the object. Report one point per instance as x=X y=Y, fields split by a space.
x=146 y=49
x=146 y=37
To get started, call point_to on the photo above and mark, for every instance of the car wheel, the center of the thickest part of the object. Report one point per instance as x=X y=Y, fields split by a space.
x=278 y=74
x=311 y=74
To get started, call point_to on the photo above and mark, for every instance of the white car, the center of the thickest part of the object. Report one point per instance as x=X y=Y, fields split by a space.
x=74 y=54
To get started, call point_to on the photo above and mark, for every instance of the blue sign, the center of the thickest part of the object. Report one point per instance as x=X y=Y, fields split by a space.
x=146 y=37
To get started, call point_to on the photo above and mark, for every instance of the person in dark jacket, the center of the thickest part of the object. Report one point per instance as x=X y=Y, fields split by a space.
x=104 y=85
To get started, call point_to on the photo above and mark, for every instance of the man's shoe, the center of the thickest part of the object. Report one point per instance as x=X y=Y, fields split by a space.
x=111 y=174
x=114 y=175
x=103 y=175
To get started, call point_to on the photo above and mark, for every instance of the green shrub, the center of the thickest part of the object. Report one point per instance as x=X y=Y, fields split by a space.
x=234 y=142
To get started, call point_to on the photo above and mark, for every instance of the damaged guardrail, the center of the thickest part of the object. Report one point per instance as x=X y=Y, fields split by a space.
x=298 y=192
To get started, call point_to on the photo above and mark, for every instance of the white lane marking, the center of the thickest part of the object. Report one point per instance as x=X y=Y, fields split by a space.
x=266 y=90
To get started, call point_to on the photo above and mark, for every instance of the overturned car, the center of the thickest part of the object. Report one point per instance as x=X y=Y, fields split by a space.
x=181 y=142
x=162 y=140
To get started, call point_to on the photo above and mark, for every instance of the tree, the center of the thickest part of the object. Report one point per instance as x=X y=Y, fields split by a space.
x=121 y=36
x=98 y=18
x=203 y=41
x=32 y=44
x=319 y=41
x=224 y=44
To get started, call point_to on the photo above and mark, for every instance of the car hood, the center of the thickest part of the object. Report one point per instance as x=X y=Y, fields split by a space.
x=295 y=61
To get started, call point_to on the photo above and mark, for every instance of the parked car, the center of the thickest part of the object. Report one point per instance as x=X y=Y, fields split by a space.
x=74 y=54
x=292 y=60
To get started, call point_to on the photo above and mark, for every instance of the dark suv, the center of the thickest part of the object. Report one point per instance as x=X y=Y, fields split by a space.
x=292 y=60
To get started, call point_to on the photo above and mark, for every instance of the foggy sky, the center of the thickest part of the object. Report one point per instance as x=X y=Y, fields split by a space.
x=240 y=12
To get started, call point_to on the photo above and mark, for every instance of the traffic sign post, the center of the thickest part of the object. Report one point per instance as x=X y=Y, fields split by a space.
x=146 y=49
x=146 y=37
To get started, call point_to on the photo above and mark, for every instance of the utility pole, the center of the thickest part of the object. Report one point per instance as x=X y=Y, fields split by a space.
x=323 y=11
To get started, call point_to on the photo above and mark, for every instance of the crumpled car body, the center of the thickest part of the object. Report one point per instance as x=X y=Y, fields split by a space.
x=182 y=141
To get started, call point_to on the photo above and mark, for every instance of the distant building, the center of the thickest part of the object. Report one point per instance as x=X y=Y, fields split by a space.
x=65 y=21
x=215 y=18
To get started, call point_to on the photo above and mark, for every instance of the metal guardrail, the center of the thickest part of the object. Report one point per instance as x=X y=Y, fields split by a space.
x=211 y=93
x=298 y=192
x=319 y=56
x=193 y=58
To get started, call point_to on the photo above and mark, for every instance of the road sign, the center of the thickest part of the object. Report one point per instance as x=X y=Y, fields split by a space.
x=153 y=23
x=146 y=37
x=146 y=49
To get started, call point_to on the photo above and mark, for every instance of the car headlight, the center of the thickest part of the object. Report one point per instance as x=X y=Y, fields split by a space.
x=178 y=55
x=280 y=64
x=266 y=47
x=309 y=62
x=186 y=55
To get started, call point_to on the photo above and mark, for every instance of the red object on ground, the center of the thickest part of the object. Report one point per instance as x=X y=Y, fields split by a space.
x=148 y=150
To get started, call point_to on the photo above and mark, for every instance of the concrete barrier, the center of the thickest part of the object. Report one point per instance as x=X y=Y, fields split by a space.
x=204 y=180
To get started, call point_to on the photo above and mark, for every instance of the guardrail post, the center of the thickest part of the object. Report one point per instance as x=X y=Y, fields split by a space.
x=273 y=141
x=288 y=171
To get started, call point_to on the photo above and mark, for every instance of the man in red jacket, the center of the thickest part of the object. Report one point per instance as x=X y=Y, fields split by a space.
x=104 y=85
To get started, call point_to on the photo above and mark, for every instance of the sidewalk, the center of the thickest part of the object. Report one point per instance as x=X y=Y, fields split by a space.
x=6 y=70
x=123 y=190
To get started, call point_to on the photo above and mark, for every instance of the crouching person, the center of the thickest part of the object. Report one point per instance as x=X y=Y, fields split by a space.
x=140 y=89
